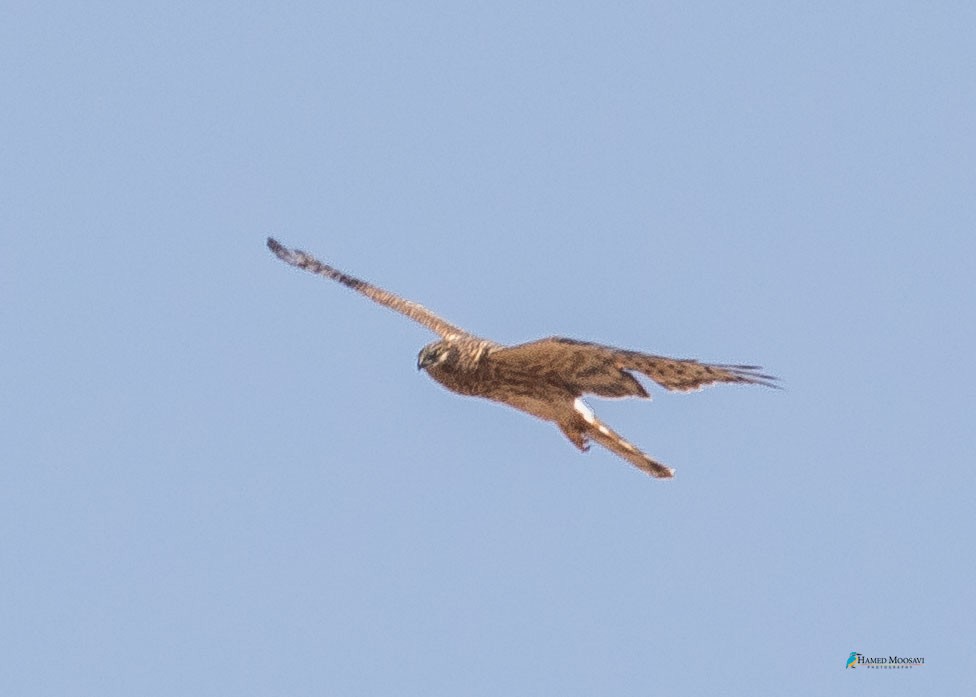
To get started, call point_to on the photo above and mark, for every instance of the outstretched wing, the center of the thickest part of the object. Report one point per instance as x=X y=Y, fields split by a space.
x=416 y=312
x=604 y=370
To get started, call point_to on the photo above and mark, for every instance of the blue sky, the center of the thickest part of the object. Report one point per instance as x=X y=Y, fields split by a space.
x=220 y=475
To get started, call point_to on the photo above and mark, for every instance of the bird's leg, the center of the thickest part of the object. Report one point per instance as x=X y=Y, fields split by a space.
x=576 y=435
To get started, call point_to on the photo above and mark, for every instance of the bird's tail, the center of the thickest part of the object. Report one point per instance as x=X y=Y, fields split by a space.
x=600 y=433
x=584 y=426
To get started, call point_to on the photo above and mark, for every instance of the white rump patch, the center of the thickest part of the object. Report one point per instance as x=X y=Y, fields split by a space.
x=584 y=411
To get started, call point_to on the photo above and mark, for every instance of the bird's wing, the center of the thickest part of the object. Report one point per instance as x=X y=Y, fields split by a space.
x=604 y=370
x=415 y=311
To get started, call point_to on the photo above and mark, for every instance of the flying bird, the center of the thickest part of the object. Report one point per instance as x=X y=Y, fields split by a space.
x=545 y=378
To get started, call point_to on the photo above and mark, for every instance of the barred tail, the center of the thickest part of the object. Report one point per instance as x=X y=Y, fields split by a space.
x=613 y=441
x=585 y=426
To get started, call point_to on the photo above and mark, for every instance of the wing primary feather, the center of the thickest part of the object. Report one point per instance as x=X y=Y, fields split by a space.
x=415 y=311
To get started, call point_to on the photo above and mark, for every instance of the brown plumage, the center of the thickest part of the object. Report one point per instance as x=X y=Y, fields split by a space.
x=545 y=378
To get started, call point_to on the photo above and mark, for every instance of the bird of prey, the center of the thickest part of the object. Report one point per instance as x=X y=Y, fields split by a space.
x=545 y=378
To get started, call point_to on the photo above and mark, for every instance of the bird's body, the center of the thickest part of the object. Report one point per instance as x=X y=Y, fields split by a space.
x=544 y=378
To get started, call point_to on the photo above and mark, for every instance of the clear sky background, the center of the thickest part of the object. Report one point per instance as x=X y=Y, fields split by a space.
x=219 y=475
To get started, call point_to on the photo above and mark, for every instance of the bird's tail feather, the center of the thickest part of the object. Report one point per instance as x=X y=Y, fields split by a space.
x=600 y=433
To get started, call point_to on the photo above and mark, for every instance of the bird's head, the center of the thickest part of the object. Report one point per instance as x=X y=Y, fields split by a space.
x=435 y=354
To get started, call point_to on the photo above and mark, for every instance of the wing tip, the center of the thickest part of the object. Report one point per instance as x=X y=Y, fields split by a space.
x=750 y=374
x=279 y=250
x=293 y=257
